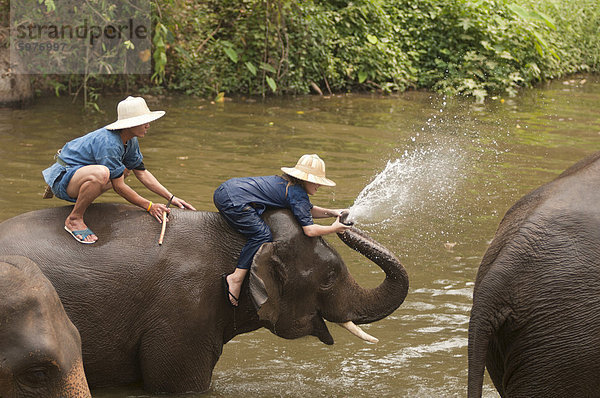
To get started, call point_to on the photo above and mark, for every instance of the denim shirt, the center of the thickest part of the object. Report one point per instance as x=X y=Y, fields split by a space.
x=270 y=191
x=100 y=147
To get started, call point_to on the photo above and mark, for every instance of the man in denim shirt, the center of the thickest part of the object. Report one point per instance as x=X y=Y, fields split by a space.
x=88 y=166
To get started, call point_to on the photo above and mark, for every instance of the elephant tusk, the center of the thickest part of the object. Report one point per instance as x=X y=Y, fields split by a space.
x=358 y=332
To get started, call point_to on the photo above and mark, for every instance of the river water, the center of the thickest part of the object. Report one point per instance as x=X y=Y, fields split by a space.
x=431 y=177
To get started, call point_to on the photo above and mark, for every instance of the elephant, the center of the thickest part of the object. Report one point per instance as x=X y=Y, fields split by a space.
x=157 y=315
x=40 y=349
x=535 y=319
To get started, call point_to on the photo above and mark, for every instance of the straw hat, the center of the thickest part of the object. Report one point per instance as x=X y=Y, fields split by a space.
x=309 y=168
x=133 y=111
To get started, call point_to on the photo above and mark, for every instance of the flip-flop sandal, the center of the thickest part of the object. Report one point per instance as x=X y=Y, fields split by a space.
x=84 y=233
x=227 y=292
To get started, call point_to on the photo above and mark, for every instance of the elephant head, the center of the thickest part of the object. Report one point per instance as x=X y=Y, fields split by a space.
x=40 y=349
x=296 y=282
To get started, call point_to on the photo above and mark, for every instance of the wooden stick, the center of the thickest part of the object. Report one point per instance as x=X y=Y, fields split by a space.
x=163 y=229
x=164 y=222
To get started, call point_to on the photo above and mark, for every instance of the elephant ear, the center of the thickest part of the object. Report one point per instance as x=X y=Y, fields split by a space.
x=267 y=276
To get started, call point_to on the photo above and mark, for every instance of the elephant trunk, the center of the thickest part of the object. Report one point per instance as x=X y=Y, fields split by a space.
x=76 y=385
x=370 y=305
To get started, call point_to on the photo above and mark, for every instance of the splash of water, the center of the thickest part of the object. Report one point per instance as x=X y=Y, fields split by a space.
x=414 y=182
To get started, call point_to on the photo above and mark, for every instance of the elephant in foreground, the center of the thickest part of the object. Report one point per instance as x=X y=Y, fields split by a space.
x=158 y=314
x=40 y=349
x=535 y=320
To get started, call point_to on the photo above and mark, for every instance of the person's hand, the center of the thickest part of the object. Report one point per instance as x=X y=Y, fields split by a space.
x=339 y=227
x=157 y=211
x=182 y=204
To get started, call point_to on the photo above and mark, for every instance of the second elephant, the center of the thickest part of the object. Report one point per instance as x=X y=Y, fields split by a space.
x=535 y=320
x=158 y=314
x=40 y=349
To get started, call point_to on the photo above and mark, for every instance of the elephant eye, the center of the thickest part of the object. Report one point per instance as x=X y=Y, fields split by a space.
x=329 y=280
x=38 y=375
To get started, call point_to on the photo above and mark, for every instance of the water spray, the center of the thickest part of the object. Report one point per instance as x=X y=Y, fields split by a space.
x=415 y=182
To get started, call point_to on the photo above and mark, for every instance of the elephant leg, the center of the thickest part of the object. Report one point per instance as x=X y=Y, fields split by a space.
x=172 y=364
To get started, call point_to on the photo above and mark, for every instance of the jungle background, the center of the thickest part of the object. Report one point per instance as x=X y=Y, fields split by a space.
x=479 y=48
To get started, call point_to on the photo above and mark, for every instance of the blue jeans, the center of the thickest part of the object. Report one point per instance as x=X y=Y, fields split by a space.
x=246 y=220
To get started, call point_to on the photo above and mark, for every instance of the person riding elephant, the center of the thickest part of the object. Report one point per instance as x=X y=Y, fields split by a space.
x=241 y=201
x=88 y=166
x=155 y=314
x=535 y=321
x=40 y=349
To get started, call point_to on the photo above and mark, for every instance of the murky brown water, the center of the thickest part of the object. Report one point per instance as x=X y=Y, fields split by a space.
x=458 y=168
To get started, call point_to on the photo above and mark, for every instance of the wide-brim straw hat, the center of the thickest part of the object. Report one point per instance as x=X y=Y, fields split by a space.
x=133 y=111
x=309 y=168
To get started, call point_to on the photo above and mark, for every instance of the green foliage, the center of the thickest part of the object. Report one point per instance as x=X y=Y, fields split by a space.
x=470 y=47
x=476 y=47
x=252 y=46
x=83 y=34
x=576 y=39
x=485 y=47
x=265 y=47
x=159 y=55
x=357 y=47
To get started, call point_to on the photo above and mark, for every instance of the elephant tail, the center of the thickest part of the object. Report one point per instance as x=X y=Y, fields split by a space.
x=490 y=311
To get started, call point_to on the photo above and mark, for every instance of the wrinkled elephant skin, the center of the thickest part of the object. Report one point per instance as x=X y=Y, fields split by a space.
x=535 y=321
x=158 y=314
x=40 y=349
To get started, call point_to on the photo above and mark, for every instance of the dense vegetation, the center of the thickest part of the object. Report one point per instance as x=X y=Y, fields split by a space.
x=261 y=47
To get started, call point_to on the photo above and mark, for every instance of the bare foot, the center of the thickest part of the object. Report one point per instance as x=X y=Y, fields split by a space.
x=235 y=281
x=234 y=289
x=75 y=224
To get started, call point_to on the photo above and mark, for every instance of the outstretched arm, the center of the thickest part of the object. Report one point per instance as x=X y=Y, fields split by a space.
x=155 y=186
x=156 y=209
x=319 y=230
x=321 y=212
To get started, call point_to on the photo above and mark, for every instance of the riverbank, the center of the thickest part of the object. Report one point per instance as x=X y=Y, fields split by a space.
x=260 y=48
x=474 y=48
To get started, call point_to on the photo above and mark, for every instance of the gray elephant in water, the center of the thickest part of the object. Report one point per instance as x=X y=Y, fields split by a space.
x=40 y=349
x=159 y=314
x=535 y=321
